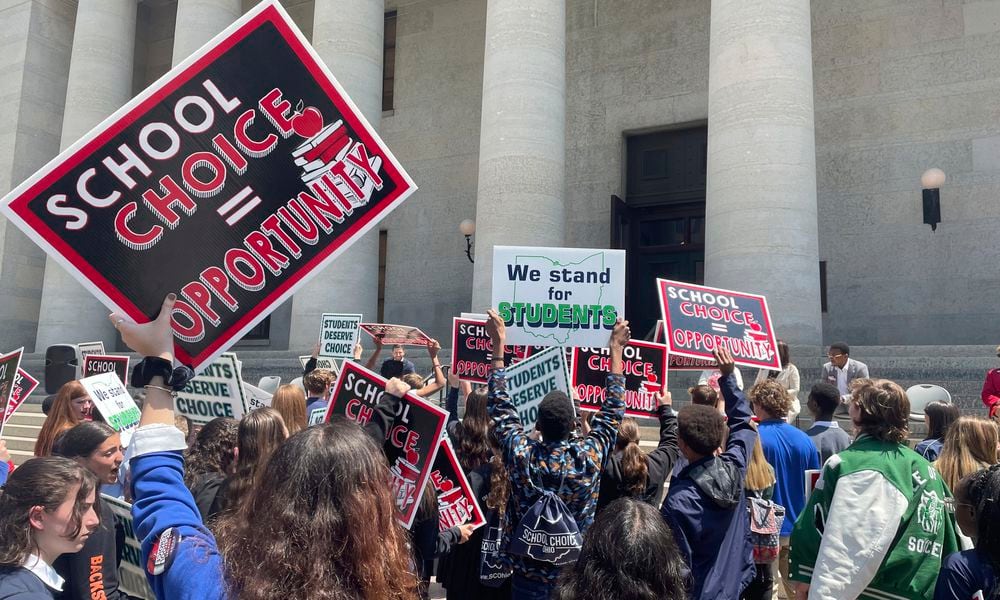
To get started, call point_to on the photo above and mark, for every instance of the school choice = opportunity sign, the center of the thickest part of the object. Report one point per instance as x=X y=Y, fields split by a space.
x=700 y=319
x=558 y=296
x=411 y=442
x=644 y=365
x=231 y=181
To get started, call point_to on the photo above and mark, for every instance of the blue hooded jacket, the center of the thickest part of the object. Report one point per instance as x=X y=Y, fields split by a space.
x=707 y=509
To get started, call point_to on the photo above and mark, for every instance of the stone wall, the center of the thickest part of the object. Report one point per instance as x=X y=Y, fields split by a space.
x=902 y=86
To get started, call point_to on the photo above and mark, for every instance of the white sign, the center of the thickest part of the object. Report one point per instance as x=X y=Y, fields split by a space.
x=531 y=379
x=131 y=574
x=87 y=348
x=256 y=397
x=114 y=403
x=322 y=362
x=338 y=335
x=558 y=296
x=216 y=392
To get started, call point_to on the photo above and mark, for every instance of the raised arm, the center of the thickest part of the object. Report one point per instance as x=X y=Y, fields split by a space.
x=311 y=363
x=665 y=454
x=386 y=409
x=741 y=435
x=163 y=509
x=604 y=425
x=509 y=430
x=370 y=365
x=433 y=347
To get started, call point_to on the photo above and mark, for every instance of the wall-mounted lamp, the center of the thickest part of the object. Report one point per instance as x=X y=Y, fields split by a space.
x=468 y=227
x=931 y=181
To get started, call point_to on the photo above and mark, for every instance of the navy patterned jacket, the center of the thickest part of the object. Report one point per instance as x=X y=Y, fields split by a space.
x=575 y=463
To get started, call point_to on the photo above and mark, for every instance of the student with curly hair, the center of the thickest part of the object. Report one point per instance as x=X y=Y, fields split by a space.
x=876 y=525
x=790 y=453
x=628 y=554
x=46 y=510
x=208 y=462
x=973 y=573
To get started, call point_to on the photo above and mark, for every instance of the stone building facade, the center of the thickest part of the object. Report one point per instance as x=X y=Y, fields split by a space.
x=773 y=146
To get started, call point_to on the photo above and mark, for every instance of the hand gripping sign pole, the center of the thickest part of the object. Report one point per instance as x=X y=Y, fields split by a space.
x=231 y=181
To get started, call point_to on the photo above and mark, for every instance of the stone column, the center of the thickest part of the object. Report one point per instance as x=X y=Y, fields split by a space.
x=199 y=21
x=348 y=35
x=100 y=82
x=761 y=222
x=522 y=146
x=37 y=42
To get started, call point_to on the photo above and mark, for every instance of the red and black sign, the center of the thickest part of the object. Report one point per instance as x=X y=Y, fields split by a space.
x=403 y=335
x=457 y=503
x=700 y=319
x=230 y=181
x=10 y=364
x=95 y=364
x=472 y=350
x=645 y=368
x=680 y=363
x=411 y=443
x=24 y=384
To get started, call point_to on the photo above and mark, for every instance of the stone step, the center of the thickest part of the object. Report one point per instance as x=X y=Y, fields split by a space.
x=16 y=430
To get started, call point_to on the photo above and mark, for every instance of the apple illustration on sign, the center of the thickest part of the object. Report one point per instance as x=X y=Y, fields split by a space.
x=307 y=122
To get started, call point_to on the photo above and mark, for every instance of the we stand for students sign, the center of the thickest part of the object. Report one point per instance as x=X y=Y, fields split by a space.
x=558 y=296
x=230 y=181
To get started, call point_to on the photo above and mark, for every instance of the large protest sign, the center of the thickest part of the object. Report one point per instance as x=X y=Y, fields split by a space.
x=700 y=319
x=472 y=350
x=113 y=401
x=645 y=368
x=558 y=296
x=338 y=335
x=131 y=572
x=396 y=334
x=411 y=443
x=457 y=502
x=10 y=363
x=232 y=180
x=216 y=392
x=680 y=363
x=106 y=363
x=24 y=384
x=529 y=380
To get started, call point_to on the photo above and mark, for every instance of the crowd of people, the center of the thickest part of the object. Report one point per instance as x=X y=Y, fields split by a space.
x=734 y=502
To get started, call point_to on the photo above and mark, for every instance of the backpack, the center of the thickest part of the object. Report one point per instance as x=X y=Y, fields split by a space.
x=548 y=531
x=494 y=564
x=766 y=518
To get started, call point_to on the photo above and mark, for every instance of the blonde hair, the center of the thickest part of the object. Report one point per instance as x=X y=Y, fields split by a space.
x=290 y=402
x=969 y=446
x=760 y=474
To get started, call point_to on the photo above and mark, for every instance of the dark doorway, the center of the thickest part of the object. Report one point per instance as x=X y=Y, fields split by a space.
x=661 y=222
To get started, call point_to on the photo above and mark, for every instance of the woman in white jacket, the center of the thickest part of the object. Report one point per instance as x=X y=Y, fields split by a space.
x=788 y=377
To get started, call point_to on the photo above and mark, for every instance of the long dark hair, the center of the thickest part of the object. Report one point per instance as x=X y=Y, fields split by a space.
x=321 y=524
x=212 y=450
x=940 y=416
x=982 y=490
x=628 y=553
x=42 y=482
x=82 y=439
x=473 y=433
x=260 y=432
x=61 y=417
x=635 y=471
